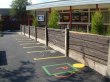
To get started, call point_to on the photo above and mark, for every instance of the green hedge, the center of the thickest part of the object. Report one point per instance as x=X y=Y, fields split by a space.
x=97 y=23
x=53 y=19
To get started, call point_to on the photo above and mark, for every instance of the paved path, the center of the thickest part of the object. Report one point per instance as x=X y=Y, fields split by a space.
x=21 y=60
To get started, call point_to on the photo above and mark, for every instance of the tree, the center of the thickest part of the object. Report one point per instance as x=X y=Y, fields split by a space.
x=53 y=19
x=97 y=23
x=35 y=22
x=18 y=8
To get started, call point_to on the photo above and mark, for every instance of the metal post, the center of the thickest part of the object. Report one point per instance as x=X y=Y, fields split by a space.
x=36 y=34
x=46 y=36
x=29 y=31
x=21 y=29
x=24 y=29
x=66 y=42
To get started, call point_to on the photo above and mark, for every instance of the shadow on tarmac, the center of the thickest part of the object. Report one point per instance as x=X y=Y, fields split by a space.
x=23 y=74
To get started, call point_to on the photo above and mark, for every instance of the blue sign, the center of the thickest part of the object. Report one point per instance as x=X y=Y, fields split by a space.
x=40 y=17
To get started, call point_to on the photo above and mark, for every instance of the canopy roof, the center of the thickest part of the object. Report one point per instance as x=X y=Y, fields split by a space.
x=65 y=3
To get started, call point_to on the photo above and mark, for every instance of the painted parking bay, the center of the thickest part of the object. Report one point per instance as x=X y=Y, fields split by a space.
x=43 y=53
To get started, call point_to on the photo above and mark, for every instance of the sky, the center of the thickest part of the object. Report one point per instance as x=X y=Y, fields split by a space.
x=6 y=3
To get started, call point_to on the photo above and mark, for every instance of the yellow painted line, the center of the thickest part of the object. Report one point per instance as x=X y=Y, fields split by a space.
x=38 y=51
x=34 y=47
x=48 y=58
x=29 y=43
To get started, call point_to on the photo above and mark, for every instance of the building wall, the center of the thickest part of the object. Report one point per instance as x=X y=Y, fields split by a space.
x=41 y=23
x=81 y=18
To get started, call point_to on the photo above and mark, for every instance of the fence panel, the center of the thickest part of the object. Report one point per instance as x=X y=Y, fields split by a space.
x=94 y=46
x=41 y=33
x=27 y=29
x=57 y=37
x=32 y=31
x=22 y=28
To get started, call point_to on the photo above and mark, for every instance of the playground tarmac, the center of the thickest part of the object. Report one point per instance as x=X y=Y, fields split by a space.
x=25 y=60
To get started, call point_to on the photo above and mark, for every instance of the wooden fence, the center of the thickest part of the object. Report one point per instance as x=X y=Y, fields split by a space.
x=57 y=37
x=41 y=33
x=32 y=31
x=94 y=47
x=27 y=29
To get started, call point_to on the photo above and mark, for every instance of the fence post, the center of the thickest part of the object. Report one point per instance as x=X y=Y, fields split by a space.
x=46 y=36
x=29 y=31
x=66 y=42
x=36 y=33
x=108 y=62
x=21 y=29
x=24 y=29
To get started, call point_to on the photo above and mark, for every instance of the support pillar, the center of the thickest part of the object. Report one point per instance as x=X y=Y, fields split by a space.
x=70 y=17
x=28 y=20
x=49 y=10
x=97 y=7
x=29 y=24
x=89 y=20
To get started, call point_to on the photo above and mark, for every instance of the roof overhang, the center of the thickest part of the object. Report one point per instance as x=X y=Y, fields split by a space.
x=65 y=3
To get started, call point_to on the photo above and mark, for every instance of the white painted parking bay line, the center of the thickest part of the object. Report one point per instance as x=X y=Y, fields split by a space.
x=26 y=41
x=29 y=43
x=49 y=58
x=38 y=51
x=34 y=47
x=23 y=39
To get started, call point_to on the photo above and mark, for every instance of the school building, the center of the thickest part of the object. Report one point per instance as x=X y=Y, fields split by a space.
x=73 y=13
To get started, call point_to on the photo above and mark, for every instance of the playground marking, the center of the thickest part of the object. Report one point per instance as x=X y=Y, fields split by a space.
x=34 y=47
x=38 y=51
x=29 y=43
x=78 y=65
x=48 y=58
x=57 y=69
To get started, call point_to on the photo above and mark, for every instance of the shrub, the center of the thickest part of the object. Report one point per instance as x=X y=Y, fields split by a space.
x=53 y=19
x=35 y=22
x=97 y=23
x=108 y=30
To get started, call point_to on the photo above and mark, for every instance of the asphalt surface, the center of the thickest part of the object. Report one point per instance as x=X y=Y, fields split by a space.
x=18 y=65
